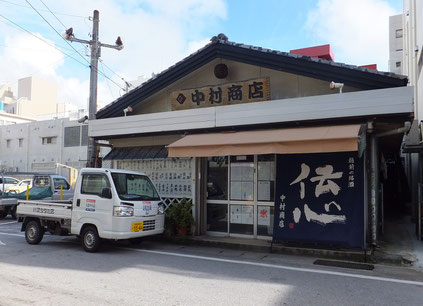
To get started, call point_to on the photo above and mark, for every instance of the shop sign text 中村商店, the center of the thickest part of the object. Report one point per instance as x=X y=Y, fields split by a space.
x=255 y=90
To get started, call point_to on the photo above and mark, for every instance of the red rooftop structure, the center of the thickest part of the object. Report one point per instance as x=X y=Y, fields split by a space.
x=323 y=52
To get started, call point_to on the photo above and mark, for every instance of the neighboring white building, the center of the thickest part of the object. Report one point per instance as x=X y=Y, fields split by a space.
x=412 y=62
x=39 y=145
x=413 y=55
x=395 y=44
x=6 y=95
x=37 y=99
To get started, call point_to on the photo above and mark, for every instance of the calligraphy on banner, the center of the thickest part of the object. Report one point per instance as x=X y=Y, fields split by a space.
x=255 y=90
x=320 y=199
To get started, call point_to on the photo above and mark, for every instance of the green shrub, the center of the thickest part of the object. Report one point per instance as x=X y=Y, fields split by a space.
x=179 y=215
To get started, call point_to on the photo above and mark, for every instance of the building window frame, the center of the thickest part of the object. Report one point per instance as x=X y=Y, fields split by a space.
x=255 y=203
x=49 y=140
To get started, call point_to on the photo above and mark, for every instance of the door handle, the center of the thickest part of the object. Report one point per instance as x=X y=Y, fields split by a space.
x=78 y=202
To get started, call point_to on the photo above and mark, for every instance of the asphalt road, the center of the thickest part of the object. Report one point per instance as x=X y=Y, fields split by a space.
x=59 y=272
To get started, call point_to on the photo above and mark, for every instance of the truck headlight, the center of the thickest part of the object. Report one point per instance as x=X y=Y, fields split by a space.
x=123 y=211
x=161 y=209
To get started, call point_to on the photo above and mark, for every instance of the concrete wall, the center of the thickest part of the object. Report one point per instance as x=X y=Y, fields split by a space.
x=282 y=85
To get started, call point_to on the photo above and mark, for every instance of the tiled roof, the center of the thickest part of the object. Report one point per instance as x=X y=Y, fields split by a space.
x=220 y=47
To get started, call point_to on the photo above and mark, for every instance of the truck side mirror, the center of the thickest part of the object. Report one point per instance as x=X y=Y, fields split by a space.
x=106 y=193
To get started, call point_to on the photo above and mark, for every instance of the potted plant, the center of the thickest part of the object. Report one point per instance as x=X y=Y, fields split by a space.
x=179 y=218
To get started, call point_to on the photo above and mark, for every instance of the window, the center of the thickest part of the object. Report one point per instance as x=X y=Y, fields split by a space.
x=134 y=187
x=266 y=178
x=242 y=178
x=217 y=178
x=10 y=181
x=25 y=183
x=20 y=142
x=94 y=184
x=240 y=194
x=49 y=140
x=41 y=181
x=398 y=64
x=60 y=182
x=8 y=143
x=398 y=33
x=72 y=136
x=84 y=135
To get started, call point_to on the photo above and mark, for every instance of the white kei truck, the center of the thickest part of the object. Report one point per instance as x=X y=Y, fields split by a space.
x=108 y=204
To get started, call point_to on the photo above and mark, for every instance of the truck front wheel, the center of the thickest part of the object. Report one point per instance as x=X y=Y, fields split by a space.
x=34 y=232
x=91 y=241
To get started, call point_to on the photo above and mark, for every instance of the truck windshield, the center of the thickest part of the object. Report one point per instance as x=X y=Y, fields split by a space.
x=134 y=187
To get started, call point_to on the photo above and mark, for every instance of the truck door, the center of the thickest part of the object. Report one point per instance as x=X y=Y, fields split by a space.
x=90 y=207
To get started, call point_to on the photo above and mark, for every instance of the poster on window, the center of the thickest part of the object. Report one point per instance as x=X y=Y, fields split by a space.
x=263 y=215
x=172 y=177
x=320 y=199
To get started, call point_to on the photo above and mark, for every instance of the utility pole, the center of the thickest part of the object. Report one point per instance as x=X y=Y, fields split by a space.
x=95 y=45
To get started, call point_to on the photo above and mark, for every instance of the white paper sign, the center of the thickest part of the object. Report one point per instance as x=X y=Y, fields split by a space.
x=236 y=212
x=247 y=216
x=236 y=191
x=264 y=190
x=172 y=178
x=247 y=191
x=264 y=169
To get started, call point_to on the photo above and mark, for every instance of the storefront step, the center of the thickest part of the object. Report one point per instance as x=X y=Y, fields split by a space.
x=256 y=245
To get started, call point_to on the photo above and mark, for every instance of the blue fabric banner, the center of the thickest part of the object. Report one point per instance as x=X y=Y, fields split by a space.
x=319 y=199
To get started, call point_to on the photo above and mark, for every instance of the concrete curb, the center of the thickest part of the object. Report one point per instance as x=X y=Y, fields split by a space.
x=265 y=246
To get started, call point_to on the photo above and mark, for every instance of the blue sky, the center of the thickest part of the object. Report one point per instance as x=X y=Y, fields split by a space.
x=158 y=33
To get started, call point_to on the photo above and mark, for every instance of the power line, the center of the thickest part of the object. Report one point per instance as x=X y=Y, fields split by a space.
x=70 y=44
x=18 y=27
x=68 y=55
x=53 y=14
x=17 y=4
x=108 y=85
x=56 y=31
x=110 y=69
x=44 y=41
x=101 y=61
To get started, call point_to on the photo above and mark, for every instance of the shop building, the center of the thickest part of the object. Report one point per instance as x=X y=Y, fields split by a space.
x=262 y=144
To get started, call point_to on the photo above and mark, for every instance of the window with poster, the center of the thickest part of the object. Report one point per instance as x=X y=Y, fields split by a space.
x=172 y=177
x=240 y=194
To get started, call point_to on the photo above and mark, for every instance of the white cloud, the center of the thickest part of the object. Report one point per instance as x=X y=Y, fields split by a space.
x=196 y=45
x=155 y=33
x=357 y=30
x=27 y=55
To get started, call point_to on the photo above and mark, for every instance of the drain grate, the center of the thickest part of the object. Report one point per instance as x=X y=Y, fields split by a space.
x=344 y=264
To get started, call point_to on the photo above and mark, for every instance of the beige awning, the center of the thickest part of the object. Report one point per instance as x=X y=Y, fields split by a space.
x=341 y=138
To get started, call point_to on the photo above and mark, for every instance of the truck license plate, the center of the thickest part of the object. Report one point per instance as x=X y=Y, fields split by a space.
x=136 y=226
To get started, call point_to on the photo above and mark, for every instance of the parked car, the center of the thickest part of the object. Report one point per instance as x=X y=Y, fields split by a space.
x=8 y=182
x=20 y=187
